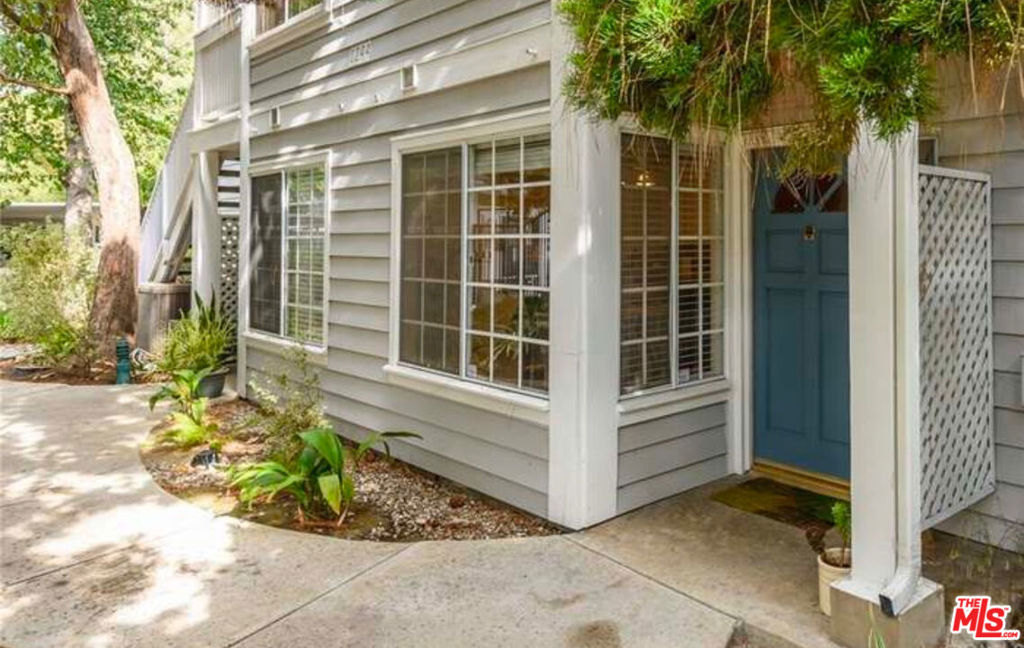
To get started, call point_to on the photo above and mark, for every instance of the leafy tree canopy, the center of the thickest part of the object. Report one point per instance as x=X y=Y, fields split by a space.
x=146 y=50
x=675 y=64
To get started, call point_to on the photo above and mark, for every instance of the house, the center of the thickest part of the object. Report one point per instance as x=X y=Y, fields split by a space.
x=581 y=318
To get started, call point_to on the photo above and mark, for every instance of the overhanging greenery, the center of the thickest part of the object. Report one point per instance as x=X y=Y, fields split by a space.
x=675 y=64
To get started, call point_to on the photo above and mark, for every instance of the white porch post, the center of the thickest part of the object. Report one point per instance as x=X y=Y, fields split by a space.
x=248 y=32
x=584 y=353
x=884 y=399
x=205 y=225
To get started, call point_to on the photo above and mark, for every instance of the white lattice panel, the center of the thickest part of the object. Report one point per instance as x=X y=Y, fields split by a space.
x=229 y=267
x=958 y=447
x=227 y=206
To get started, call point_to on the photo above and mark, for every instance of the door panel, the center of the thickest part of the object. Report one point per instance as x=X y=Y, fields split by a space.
x=801 y=320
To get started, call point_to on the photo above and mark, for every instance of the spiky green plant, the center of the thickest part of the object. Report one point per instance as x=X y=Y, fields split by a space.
x=323 y=471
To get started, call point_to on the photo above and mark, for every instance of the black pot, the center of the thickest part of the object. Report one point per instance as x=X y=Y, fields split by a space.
x=212 y=386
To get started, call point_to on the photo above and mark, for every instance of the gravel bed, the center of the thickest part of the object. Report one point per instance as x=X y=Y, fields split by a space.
x=394 y=500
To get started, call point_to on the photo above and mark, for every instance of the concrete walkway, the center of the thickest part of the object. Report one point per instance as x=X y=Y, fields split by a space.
x=94 y=554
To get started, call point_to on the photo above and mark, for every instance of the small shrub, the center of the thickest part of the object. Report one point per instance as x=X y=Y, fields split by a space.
x=47 y=290
x=323 y=472
x=842 y=520
x=199 y=340
x=190 y=425
x=290 y=404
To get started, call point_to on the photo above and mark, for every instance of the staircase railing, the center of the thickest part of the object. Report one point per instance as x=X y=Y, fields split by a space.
x=168 y=205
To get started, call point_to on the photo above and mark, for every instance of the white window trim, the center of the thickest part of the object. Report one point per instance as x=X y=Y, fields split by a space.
x=675 y=397
x=291 y=28
x=507 y=401
x=278 y=343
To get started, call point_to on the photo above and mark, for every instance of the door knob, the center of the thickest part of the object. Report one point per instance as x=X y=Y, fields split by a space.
x=810 y=232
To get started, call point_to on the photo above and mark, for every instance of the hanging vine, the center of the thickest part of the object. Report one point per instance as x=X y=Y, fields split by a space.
x=676 y=64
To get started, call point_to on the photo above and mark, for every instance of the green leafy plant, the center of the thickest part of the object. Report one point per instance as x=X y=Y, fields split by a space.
x=200 y=340
x=290 y=403
x=677 y=64
x=842 y=520
x=46 y=290
x=190 y=425
x=323 y=472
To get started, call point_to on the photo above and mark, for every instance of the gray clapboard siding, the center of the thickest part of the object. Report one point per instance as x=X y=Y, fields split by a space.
x=506 y=490
x=510 y=92
x=668 y=455
x=359 y=56
x=995 y=144
x=356 y=61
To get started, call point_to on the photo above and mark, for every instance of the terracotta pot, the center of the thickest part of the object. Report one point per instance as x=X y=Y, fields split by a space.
x=828 y=574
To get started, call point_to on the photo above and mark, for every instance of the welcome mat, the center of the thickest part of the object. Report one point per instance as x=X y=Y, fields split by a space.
x=790 y=505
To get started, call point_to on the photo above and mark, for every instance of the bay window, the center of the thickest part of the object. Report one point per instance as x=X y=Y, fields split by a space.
x=288 y=229
x=475 y=275
x=672 y=248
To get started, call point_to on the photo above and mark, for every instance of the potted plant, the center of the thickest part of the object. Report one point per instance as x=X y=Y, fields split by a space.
x=199 y=341
x=834 y=562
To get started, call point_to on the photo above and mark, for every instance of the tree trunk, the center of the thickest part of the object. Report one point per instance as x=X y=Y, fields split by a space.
x=114 y=307
x=78 y=216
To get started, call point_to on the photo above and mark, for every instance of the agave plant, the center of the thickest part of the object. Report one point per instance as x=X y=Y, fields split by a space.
x=323 y=471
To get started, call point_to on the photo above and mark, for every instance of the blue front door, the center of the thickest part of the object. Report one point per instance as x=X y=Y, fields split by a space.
x=801 y=320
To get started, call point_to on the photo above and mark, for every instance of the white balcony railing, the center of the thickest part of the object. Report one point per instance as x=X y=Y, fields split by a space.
x=218 y=66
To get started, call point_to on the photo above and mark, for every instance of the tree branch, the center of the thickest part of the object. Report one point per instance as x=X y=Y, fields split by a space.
x=35 y=85
x=8 y=11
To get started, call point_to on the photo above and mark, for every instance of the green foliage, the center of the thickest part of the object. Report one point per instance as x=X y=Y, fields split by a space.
x=291 y=403
x=189 y=425
x=46 y=292
x=321 y=473
x=146 y=49
x=200 y=340
x=842 y=521
x=677 y=64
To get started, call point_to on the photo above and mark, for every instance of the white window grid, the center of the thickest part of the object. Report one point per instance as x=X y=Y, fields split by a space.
x=466 y=238
x=422 y=238
x=307 y=231
x=302 y=301
x=704 y=333
x=491 y=238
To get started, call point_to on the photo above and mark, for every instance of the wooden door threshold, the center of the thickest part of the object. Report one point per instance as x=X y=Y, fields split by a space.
x=806 y=479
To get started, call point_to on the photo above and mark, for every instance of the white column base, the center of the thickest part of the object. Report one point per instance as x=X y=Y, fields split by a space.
x=857 y=617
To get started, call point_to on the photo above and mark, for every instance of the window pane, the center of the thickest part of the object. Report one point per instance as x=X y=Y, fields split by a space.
x=506 y=211
x=537 y=159
x=506 y=311
x=480 y=309
x=509 y=250
x=535 y=367
x=689 y=313
x=265 y=255
x=646 y=253
x=506 y=261
x=535 y=315
x=482 y=156
x=506 y=361
x=536 y=265
x=480 y=212
x=480 y=260
x=712 y=356
x=478 y=364
x=689 y=359
x=701 y=260
x=537 y=210
x=506 y=162
x=431 y=249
